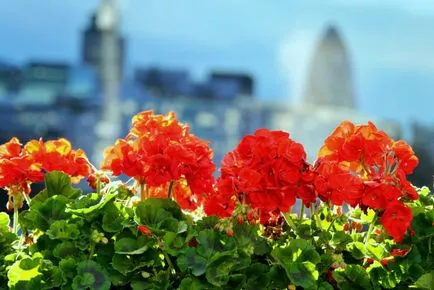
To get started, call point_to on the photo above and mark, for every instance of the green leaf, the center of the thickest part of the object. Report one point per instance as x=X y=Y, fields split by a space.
x=42 y=215
x=68 y=267
x=4 y=221
x=256 y=275
x=383 y=277
x=113 y=219
x=376 y=251
x=191 y=260
x=298 y=260
x=130 y=246
x=173 y=244
x=217 y=271
x=56 y=183
x=277 y=278
x=91 y=203
x=303 y=274
x=340 y=240
x=325 y=286
x=23 y=270
x=167 y=204
x=91 y=275
x=65 y=249
x=126 y=264
x=156 y=218
x=426 y=281
x=353 y=277
x=190 y=283
x=62 y=230
x=210 y=242
x=247 y=239
x=357 y=250
x=158 y=282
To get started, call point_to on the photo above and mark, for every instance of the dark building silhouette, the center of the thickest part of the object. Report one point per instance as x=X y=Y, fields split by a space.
x=10 y=78
x=423 y=146
x=47 y=73
x=164 y=81
x=238 y=83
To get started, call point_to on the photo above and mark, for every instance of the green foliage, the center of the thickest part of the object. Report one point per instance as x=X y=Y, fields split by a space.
x=76 y=241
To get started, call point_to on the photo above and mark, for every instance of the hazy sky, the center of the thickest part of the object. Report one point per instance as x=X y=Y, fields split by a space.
x=391 y=42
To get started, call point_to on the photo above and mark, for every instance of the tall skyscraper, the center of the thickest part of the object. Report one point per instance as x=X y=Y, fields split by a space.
x=103 y=48
x=330 y=81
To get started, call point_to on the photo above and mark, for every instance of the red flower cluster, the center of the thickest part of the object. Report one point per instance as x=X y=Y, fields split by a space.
x=58 y=155
x=19 y=166
x=363 y=166
x=160 y=150
x=267 y=171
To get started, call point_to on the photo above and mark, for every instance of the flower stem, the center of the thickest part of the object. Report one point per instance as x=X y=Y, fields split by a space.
x=142 y=191
x=92 y=250
x=169 y=261
x=370 y=229
x=15 y=224
x=27 y=198
x=301 y=211
x=169 y=192
x=288 y=219
x=331 y=224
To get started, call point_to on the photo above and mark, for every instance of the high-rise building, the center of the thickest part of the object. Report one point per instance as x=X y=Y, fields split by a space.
x=330 y=80
x=93 y=38
x=103 y=47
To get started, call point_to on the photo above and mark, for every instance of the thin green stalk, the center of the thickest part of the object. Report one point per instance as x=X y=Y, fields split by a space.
x=370 y=229
x=15 y=224
x=169 y=261
x=169 y=192
x=301 y=212
x=288 y=219
x=92 y=249
x=331 y=224
x=27 y=198
x=315 y=216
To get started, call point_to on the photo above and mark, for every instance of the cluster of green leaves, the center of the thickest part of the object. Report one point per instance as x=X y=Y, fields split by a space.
x=70 y=240
x=7 y=239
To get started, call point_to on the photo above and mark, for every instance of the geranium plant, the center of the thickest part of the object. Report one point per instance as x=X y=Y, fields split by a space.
x=359 y=223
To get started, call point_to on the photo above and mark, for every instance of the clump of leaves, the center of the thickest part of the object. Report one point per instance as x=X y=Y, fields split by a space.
x=72 y=240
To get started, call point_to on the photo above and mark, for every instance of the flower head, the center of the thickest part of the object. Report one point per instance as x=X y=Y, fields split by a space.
x=159 y=150
x=267 y=171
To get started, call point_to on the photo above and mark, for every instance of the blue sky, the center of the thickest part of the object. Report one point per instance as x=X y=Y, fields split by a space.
x=391 y=42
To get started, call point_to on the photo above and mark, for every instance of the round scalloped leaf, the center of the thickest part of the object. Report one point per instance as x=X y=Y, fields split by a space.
x=91 y=275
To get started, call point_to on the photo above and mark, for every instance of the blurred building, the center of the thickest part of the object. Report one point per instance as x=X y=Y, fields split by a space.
x=92 y=38
x=330 y=81
x=10 y=78
x=92 y=104
x=423 y=145
x=53 y=100
x=164 y=82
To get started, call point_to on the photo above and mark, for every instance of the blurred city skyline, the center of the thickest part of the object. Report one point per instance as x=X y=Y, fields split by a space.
x=390 y=43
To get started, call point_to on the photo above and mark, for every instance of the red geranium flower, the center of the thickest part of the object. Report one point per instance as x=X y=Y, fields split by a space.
x=158 y=151
x=396 y=220
x=267 y=171
x=58 y=155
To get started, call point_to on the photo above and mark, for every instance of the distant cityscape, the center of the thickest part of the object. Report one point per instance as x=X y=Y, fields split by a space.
x=91 y=103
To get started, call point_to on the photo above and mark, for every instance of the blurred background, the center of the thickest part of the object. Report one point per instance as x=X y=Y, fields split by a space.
x=80 y=69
